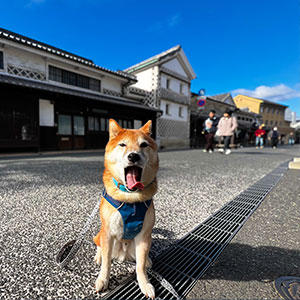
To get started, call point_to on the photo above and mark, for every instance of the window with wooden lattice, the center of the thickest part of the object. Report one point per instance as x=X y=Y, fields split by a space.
x=71 y=78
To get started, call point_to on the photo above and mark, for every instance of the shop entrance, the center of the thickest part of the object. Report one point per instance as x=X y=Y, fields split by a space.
x=71 y=132
x=18 y=123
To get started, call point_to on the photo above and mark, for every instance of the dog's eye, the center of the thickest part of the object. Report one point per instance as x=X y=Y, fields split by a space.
x=122 y=145
x=144 y=145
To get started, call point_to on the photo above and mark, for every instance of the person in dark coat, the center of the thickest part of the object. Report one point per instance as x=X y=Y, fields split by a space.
x=210 y=128
x=273 y=136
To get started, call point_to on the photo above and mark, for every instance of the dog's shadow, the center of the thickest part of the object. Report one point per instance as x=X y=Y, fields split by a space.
x=161 y=239
x=164 y=232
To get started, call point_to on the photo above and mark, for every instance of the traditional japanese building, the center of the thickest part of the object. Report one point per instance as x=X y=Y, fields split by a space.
x=167 y=79
x=54 y=99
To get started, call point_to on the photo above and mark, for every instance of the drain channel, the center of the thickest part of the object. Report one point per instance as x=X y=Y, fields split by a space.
x=184 y=262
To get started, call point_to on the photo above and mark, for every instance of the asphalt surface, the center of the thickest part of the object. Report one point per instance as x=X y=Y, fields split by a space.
x=266 y=248
x=46 y=200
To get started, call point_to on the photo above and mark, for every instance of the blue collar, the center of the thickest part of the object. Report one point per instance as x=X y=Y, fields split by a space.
x=123 y=187
x=120 y=186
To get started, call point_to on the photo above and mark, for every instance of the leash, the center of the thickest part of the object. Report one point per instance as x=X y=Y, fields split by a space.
x=163 y=282
x=70 y=249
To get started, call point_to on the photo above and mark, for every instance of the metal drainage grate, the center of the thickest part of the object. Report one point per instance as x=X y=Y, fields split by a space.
x=184 y=262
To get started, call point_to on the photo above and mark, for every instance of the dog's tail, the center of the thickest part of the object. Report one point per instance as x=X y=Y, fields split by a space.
x=96 y=239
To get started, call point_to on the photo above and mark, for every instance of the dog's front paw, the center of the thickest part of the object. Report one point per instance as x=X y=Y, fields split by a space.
x=101 y=284
x=148 y=290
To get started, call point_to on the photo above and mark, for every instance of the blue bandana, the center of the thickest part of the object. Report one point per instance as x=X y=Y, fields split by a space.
x=133 y=215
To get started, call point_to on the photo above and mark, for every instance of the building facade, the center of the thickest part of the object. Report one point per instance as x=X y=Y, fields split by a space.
x=53 y=99
x=166 y=78
x=273 y=114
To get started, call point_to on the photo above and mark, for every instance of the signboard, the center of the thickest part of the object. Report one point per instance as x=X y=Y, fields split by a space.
x=201 y=101
x=201 y=92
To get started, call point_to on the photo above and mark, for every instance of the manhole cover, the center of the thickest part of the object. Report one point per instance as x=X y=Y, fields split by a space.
x=288 y=287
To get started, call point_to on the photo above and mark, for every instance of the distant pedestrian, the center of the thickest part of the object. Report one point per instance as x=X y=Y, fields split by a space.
x=291 y=138
x=273 y=136
x=226 y=128
x=259 y=133
x=210 y=128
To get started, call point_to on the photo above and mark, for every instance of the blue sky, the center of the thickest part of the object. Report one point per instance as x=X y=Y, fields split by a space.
x=238 y=46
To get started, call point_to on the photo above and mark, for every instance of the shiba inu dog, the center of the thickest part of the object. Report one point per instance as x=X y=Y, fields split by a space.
x=126 y=209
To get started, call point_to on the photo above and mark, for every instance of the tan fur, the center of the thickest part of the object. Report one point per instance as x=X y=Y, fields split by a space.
x=109 y=239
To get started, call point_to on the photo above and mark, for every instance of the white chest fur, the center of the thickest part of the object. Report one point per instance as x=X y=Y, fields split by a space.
x=116 y=225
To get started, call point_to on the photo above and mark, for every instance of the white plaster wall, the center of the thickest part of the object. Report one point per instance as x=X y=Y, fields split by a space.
x=163 y=81
x=144 y=80
x=111 y=84
x=35 y=62
x=24 y=59
x=174 y=65
x=185 y=89
x=174 y=84
x=173 y=111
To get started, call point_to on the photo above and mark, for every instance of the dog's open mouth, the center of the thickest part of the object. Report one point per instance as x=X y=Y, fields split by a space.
x=133 y=175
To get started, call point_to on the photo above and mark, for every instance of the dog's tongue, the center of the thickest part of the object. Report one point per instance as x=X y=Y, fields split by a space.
x=131 y=178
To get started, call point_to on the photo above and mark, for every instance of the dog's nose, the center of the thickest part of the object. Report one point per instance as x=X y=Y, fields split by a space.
x=133 y=157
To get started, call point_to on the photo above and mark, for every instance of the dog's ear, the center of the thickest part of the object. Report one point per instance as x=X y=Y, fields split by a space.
x=147 y=128
x=114 y=128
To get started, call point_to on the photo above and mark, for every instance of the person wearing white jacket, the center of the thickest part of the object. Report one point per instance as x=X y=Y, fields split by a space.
x=226 y=128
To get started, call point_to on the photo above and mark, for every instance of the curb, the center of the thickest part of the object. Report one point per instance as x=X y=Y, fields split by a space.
x=294 y=165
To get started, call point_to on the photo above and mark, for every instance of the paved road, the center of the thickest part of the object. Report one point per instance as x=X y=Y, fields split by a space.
x=45 y=202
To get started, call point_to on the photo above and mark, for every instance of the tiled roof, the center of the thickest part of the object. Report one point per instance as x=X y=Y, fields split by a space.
x=220 y=97
x=21 y=39
x=275 y=103
x=154 y=59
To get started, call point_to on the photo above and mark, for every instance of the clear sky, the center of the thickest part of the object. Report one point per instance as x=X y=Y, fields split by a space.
x=239 y=46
